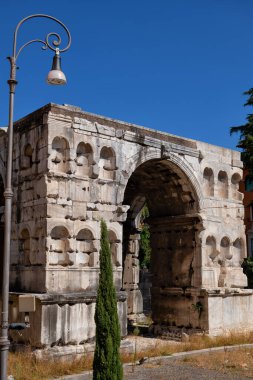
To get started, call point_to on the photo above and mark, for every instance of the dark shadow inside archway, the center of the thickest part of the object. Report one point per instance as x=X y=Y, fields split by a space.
x=175 y=254
x=1 y=228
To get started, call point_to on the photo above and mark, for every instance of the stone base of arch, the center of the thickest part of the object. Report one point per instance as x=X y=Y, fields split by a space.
x=228 y=311
x=68 y=319
x=215 y=312
x=61 y=319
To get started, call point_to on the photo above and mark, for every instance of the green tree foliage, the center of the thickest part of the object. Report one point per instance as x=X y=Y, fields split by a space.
x=106 y=363
x=145 y=248
x=246 y=136
x=247 y=266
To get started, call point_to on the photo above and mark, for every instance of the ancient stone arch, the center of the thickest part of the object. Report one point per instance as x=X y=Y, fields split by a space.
x=89 y=168
x=173 y=205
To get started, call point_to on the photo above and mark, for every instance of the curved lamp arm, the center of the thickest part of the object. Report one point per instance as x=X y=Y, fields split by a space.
x=54 y=46
x=46 y=42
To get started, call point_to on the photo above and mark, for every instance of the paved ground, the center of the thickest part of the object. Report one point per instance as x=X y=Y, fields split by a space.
x=165 y=369
x=168 y=368
x=175 y=371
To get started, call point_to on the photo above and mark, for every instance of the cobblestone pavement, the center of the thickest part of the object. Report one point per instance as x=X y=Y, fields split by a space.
x=175 y=371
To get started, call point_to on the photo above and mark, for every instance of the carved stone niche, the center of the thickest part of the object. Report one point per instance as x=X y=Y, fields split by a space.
x=60 y=155
x=235 y=179
x=84 y=160
x=59 y=246
x=26 y=158
x=208 y=184
x=24 y=247
x=86 y=254
x=107 y=163
x=222 y=184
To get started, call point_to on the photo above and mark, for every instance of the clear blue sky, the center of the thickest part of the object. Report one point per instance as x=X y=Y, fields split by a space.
x=178 y=66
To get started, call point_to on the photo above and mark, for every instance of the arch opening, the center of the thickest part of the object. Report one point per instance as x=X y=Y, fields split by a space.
x=174 y=225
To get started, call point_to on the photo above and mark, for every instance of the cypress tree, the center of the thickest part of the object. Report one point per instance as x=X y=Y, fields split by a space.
x=106 y=363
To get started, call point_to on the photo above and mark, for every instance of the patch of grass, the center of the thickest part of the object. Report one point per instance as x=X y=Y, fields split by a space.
x=204 y=341
x=196 y=342
x=24 y=366
x=238 y=362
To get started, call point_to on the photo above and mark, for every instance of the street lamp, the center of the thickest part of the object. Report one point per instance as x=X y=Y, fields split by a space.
x=55 y=77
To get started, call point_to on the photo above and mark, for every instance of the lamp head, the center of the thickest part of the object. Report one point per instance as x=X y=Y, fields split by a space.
x=56 y=75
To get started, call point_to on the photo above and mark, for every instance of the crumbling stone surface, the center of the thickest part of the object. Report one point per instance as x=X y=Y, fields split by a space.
x=71 y=169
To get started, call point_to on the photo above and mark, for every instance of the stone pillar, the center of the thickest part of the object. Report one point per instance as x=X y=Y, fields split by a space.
x=131 y=276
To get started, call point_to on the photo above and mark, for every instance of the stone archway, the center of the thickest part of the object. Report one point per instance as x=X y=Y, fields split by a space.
x=176 y=253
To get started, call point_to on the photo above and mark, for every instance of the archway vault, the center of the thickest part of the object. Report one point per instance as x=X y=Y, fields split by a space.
x=174 y=221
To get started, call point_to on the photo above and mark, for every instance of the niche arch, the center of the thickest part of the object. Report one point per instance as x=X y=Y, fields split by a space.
x=107 y=163
x=238 y=252
x=27 y=157
x=235 y=180
x=208 y=185
x=24 y=247
x=85 y=248
x=225 y=248
x=222 y=185
x=84 y=159
x=211 y=249
x=60 y=155
x=59 y=246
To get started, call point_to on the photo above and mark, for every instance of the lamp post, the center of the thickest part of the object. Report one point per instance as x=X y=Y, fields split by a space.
x=55 y=77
